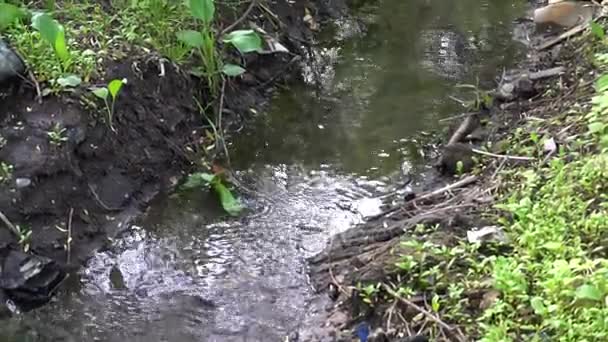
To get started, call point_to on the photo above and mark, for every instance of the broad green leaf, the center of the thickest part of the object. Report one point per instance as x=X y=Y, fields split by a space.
x=244 y=40
x=596 y=127
x=590 y=292
x=69 y=81
x=8 y=14
x=230 y=204
x=602 y=83
x=232 y=70
x=598 y=30
x=102 y=93
x=538 y=305
x=114 y=87
x=47 y=26
x=61 y=48
x=203 y=10
x=198 y=180
x=191 y=38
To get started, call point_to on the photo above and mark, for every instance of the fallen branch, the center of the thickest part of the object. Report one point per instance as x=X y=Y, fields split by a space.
x=502 y=156
x=571 y=32
x=463 y=182
x=9 y=224
x=535 y=76
x=467 y=126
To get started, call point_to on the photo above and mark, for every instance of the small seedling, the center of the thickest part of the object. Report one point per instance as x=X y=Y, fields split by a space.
x=6 y=172
x=24 y=235
x=110 y=93
x=57 y=135
x=230 y=204
x=203 y=42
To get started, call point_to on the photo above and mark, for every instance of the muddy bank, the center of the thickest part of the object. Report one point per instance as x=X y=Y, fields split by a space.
x=362 y=268
x=69 y=183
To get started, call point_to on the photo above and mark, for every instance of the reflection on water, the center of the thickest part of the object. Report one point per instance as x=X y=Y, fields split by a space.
x=316 y=163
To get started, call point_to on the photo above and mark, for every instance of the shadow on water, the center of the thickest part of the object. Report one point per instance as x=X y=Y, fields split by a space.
x=316 y=162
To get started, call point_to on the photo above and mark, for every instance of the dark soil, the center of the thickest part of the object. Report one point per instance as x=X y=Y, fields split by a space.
x=89 y=187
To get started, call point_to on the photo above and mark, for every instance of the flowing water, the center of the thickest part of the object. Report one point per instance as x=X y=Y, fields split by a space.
x=316 y=163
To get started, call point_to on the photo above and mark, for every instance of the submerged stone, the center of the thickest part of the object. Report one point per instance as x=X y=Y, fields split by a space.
x=11 y=64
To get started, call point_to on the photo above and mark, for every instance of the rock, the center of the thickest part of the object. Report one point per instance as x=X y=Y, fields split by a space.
x=564 y=14
x=23 y=182
x=456 y=158
x=29 y=280
x=11 y=64
x=485 y=234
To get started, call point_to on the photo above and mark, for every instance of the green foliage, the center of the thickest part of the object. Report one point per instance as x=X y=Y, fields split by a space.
x=54 y=34
x=57 y=135
x=6 y=172
x=204 y=42
x=230 y=204
x=109 y=95
x=244 y=40
x=9 y=14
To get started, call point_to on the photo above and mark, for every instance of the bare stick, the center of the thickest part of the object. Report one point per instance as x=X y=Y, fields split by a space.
x=68 y=245
x=421 y=310
x=537 y=75
x=9 y=224
x=466 y=127
x=502 y=156
x=571 y=32
x=36 y=85
x=239 y=20
x=465 y=181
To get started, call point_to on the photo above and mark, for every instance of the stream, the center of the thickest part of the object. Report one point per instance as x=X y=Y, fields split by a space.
x=317 y=163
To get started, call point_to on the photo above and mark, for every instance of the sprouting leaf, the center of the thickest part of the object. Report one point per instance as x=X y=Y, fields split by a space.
x=538 y=305
x=228 y=201
x=47 y=26
x=191 y=38
x=233 y=70
x=114 y=87
x=198 y=180
x=61 y=48
x=596 y=127
x=244 y=40
x=102 y=93
x=597 y=30
x=588 y=291
x=202 y=9
x=8 y=14
x=435 y=303
x=601 y=84
x=69 y=81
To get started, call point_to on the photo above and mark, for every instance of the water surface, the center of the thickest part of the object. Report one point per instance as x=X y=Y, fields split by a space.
x=316 y=164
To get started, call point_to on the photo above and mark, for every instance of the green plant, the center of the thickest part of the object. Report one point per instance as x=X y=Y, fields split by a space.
x=6 y=172
x=204 y=41
x=9 y=14
x=24 y=236
x=57 y=135
x=110 y=93
x=369 y=293
x=54 y=33
x=230 y=204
